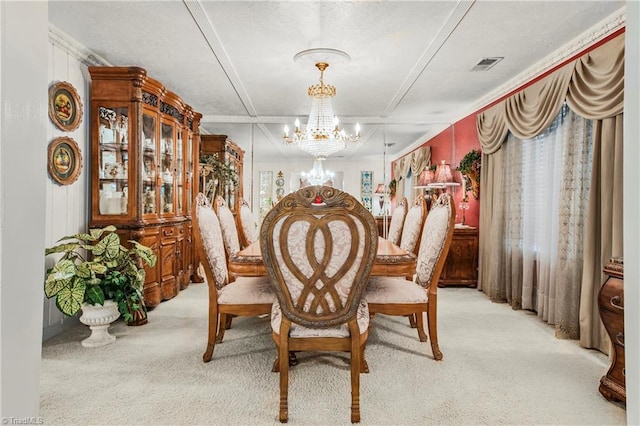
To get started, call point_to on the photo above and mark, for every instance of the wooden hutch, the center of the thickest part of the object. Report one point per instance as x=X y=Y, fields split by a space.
x=229 y=153
x=144 y=142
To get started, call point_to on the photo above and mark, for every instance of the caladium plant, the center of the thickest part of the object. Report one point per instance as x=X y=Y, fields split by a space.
x=95 y=266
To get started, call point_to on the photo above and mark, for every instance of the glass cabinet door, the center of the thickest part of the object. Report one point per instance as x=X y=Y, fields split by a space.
x=167 y=168
x=113 y=160
x=149 y=164
x=179 y=173
x=189 y=172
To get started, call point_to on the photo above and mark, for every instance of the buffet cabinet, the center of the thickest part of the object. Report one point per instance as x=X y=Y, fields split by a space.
x=227 y=177
x=611 y=308
x=143 y=156
x=461 y=266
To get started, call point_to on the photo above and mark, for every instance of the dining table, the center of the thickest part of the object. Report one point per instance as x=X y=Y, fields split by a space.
x=390 y=260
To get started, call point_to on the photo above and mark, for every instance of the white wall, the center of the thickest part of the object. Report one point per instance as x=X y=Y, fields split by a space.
x=350 y=170
x=23 y=169
x=66 y=207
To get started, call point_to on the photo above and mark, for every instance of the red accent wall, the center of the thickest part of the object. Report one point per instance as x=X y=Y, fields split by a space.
x=452 y=145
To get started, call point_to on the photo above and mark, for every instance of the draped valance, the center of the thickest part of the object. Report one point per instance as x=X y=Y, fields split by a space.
x=413 y=162
x=592 y=86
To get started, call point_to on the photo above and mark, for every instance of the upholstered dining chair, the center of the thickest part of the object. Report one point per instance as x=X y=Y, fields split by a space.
x=397 y=222
x=318 y=245
x=247 y=225
x=412 y=227
x=247 y=296
x=229 y=228
x=398 y=296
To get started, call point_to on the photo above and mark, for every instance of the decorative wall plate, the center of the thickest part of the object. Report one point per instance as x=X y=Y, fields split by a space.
x=65 y=107
x=65 y=160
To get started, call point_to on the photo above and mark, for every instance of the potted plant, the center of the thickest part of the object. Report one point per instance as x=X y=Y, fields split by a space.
x=96 y=270
x=470 y=168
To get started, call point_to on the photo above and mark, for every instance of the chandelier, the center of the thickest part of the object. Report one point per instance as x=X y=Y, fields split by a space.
x=318 y=175
x=323 y=135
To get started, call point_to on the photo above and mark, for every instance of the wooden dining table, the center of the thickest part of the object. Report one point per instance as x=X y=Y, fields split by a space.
x=391 y=260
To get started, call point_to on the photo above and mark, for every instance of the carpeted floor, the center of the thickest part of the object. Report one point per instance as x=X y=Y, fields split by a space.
x=500 y=367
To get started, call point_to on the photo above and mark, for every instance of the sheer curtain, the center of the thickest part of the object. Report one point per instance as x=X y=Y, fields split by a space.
x=543 y=185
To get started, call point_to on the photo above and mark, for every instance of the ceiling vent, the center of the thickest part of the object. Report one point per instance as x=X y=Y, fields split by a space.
x=486 y=64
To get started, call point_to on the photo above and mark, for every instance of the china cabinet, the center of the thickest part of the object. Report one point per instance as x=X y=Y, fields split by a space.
x=227 y=171
x=143 y=154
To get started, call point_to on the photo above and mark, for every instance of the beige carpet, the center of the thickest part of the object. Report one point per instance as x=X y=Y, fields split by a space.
x=500 y=367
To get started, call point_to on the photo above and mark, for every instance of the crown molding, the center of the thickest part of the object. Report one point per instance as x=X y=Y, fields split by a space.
x=67 y=43
x=590 y=37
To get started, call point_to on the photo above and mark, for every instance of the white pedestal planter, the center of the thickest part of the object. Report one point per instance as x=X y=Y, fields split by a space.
x=98 y=318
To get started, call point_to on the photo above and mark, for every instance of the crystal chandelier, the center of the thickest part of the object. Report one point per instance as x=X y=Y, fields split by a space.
x=318 y=175
x=323 y=135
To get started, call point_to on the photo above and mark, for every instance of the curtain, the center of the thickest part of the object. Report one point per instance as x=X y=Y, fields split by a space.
x=593 y=87
x=540 y=184
x=411 y=164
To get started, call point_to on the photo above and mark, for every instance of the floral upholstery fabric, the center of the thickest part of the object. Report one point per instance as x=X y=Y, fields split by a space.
x=296 y=251
x=385 y=290
x=340 y=331
x=432 y=242
x=249 y=224
x=247 y=290
x=211 y=236
x=228 y=226
x=411 y=229
x=397 y=222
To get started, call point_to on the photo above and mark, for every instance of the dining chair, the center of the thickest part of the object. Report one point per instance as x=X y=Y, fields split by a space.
x=402 y=297
x=319 y=245
x=247 y=225
x=412 y=227
x=397 y=222
x=246 y=296
x=228 y=225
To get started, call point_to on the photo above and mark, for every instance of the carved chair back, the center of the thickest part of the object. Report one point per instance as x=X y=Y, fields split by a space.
x=413 y=224
x=228 y=225
x=397 y=222
x=248 y=226
x=318 y=245
x=209 y=243
x=435 y=241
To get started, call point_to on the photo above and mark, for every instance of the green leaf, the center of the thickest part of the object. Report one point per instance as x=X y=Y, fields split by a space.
x=69 y=299
x=94 y=295
x=145 y=253
x=108 y=247
x=61 y=248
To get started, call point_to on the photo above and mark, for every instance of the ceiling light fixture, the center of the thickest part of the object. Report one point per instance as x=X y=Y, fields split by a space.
x=322 y=136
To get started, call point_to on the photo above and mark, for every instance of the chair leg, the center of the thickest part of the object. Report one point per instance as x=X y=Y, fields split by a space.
x=420 y=326
x=283 y=360
x=228 y=323
x=433 y=328
x=412 y=321
x=223 y=320
x=356 y=355
x=364 y=366
x=211 y=343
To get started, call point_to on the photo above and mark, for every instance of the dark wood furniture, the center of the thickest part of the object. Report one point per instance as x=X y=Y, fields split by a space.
x=143 y=157
x=391 y=260
x=383 y=225
x=461 y=267
x=611 y=307
x=232 y=155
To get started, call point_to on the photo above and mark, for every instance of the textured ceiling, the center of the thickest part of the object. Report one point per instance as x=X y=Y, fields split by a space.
x=409 y=76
